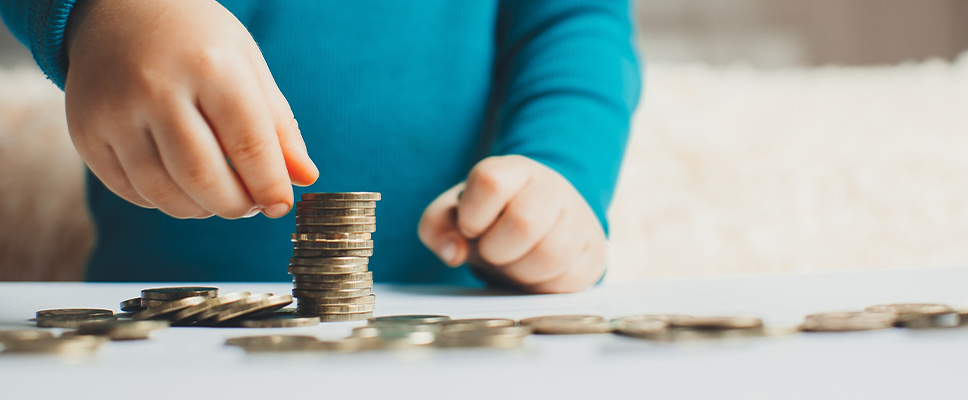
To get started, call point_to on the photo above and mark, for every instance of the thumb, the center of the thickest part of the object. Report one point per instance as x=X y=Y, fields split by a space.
x=438 y=228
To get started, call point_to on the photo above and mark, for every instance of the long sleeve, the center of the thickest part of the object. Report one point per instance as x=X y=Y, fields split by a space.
x=40 y=25
x=566 y=83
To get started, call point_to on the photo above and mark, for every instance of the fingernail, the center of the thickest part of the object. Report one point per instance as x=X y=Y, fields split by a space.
x=448 y=252
x=254 y=212
x=276 y=210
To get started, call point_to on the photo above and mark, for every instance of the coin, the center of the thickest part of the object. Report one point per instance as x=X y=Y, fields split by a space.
x=275 y=343
x=132 y=305
x=207 y=317
x=24 y=334
x=568 y=324
x=175 y=293
x=190 y=314
x=714 y=323
x=335 y=293
x=306 y=205
x=498 y=337
x=848 y=321
x=332 y=253
x=362 y=276
x=345 y=317
x=66 y=345
x=333 y=285
x=331 y=236
x=334 y=244
x=643 y=328
x=341 y=196
x=330 y=261
x=306 y=309
x=122 y=330
x=369 y=299
x=145 y=303
x=335 y=220
x=75 y=313
x=335 y=228
x=326 y=269
x=912 y=311
x=169 y=308
x=475 y=324
x=72 y=323
x=280 y=320
x=251 y=308
x=337 y=212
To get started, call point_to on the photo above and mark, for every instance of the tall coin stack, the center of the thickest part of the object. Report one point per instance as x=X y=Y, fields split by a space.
x=331 y=251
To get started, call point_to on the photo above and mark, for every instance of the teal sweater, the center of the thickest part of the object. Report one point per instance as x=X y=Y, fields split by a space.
x=400 y=97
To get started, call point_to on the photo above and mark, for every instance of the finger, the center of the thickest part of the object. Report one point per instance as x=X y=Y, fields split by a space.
x=104 y=164
x=302 y=170
x=194 y=159
x=528 y=218
x=236 y=110
x=140 y=160
x=438 y=229
x=553 y=256
x=589 y=267
x=490 y=185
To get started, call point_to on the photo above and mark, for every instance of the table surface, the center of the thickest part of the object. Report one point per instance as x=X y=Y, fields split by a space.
x=194 y=362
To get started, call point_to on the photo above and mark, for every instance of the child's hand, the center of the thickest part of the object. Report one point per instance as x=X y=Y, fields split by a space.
x=160 y=93
x=522 y=220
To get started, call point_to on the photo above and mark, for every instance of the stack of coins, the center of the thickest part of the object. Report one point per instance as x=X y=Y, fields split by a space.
x=331 y=250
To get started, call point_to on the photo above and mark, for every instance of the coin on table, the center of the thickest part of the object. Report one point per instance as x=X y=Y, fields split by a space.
x=643 y=327
x=415 y=319
x=341 y=196
x=919 y=315
x=848 y=321
x=169 y=308
x=275 y=343
x=475 y=324
x=314 y=204
x=332 y=285
x=207 y=317
x=250 y=308
x=132 y=305
x=333 y=278
x=400 y=337
x=65 y=345
x=175 y=293
x=334 y=244
x=145 y=303
x=332 y=253
x=191 y=314
x=329 y=261
x=500 y=337
x=122 y=330
x=619 y=322
x=337 y=212
x=280 y=320
x=327 y=269
x=308 y=237
x=24 y=334
x=345 y=317
x=75 y=313
x=368 y=299
x=714 y=323
x=335 y=309
x=568 y=324
x=330 y=294
x=300 y=228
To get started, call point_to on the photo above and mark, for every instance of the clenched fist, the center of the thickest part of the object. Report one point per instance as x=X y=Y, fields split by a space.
x=172 y=106
x=519 y=221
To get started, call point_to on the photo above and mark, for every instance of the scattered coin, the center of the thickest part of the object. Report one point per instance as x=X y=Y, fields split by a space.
x=652 y=327
x=169 y=308
x=67 y=345
x=919 y=315
x=714 y=323
x=280 y=320
x=475 y=324
x=191 y=314
x=176 y=293
x=848 y=321
x=409 y=319
x=122 y=330
x=71 y=318
x=252 y=308
x=497 y=337
x=568 y=324
x=24 y=334
x=275 y=343
x=132 y=305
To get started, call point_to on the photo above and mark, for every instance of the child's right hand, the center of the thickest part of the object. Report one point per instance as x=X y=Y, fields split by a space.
x=160 y=94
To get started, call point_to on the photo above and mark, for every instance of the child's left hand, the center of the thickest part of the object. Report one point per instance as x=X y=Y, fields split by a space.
x=522 y=220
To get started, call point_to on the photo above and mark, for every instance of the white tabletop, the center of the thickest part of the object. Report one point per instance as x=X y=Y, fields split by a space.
x=194 y=363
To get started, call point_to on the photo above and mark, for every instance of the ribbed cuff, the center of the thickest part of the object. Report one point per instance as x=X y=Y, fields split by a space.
x=48 y=21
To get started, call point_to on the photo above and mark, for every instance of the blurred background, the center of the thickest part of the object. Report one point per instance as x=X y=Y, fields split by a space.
x=773 y=136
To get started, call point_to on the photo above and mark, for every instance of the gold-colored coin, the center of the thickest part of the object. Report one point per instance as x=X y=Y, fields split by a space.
x=250 y=308
x=907 y=312
x=132 y=305
x=335 y=220
x=331 y=236
x=312 y=302
x=274 y=343
x=499 y=337
x=24 y=334
x=191 y=314
x=336 y=212
x=642 y=327
x=714 y=323
x=207 y=317
x=342 y=196
x=65 y=345
x=280 y=320
x=169 y=308
x=335 y=228
x=335 y=309
x=333 y=278
x=471 y=324
x=333 y=285
x=848 y=321
x=329 y=261
x=308 y=205
x=75 y=313
x=334 y=244
x=145 y=303
x=327 y=269
x=345 y=317
x=568 y=324
x=335 y=293
x=175 y=293
x=415 y=319
x=332 y=253
x=122 y=330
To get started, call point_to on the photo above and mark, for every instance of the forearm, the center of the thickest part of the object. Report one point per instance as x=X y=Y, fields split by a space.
x=40 y=25
x=567 y=83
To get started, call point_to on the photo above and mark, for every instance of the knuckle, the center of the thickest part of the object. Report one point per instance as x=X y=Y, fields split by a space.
x=486 y=177
x=196 y=175
x=214 y=61
x=273 y=192
x=248 y=147
x=524 y=224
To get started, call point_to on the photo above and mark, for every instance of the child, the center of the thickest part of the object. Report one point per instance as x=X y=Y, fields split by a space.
x=516 y=111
